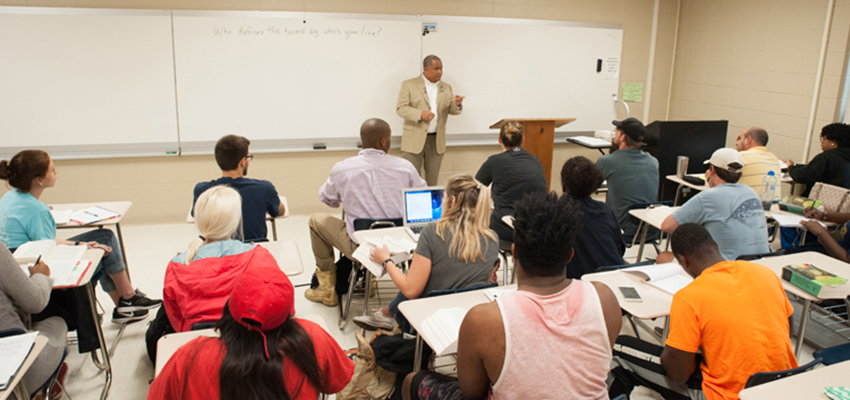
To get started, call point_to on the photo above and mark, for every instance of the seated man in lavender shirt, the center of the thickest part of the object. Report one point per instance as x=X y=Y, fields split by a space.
x=369 y=185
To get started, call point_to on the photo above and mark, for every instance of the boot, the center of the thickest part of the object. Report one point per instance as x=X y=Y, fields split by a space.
x=326 y=292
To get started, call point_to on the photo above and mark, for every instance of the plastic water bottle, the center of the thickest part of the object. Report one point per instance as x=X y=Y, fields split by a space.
x=768 y=190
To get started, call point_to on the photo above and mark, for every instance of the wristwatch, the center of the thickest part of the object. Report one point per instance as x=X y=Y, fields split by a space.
x=384 y=263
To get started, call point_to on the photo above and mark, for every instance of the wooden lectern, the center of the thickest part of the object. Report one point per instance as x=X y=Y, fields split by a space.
x=539 y=136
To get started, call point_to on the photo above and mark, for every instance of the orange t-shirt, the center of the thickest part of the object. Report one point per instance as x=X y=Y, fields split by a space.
x=737 y=313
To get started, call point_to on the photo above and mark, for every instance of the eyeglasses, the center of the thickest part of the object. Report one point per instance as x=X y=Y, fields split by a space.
x=250 y=156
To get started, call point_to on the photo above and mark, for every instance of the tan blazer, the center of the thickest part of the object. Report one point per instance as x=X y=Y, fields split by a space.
x=412 y=100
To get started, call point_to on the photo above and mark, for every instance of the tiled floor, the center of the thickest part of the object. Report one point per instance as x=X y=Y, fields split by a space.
x=149 y=248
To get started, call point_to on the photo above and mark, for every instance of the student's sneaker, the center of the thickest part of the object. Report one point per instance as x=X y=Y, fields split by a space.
x=139 y=301
x=374 y=321
x=119 y=317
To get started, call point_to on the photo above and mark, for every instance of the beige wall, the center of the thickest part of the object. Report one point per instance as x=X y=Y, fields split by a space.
x=754 y=62
x=160 y=188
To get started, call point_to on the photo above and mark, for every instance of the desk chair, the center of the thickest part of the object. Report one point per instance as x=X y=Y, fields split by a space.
x=764 y=377
x=653 y=236
x=833 y=355
x=417 y=358
x=345 y=304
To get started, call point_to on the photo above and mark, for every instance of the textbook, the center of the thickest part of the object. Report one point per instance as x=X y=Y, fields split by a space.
x=93 y=215
x=65 y=262
x=400 y=251
x=816 y=281
x=667 y=277
x=442 y=328
x=14 y=350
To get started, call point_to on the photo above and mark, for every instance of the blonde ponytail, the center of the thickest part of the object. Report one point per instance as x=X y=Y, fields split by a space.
x=467 y=217
x=218 y=214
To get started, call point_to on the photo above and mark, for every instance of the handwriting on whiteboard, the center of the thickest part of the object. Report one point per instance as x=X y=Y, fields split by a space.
x=304 y=30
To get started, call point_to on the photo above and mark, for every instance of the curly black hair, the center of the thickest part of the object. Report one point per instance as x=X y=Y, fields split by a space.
x=838 y=133
x=545 y=227
x=580 y=177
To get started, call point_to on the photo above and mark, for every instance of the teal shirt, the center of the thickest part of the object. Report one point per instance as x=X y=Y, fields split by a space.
x=23 y=218
x=216 y=249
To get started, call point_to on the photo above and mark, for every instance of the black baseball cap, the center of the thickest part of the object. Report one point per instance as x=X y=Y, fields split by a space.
x=632 y=128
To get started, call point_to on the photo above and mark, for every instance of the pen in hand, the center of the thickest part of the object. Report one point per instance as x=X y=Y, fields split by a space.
x=37 y=260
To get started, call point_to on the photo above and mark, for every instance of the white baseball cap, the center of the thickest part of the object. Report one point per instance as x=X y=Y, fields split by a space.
x=722 y=158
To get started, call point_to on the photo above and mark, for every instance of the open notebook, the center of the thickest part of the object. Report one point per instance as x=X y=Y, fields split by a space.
x=667 y=277
x=400 y=251
x=442 y=329
x=14 y=351
x=65 y=262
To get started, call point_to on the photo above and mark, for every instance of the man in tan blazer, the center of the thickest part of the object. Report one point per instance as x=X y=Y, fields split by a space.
x=425 y=104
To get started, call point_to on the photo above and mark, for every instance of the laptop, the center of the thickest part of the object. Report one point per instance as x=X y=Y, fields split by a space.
x=421 y=207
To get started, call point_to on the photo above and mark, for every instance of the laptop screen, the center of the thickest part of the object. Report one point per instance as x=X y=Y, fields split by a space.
x=423 y=205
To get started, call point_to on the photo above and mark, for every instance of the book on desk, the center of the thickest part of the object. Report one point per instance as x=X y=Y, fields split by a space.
x=66 y=263
x=667 y=277
x=816 y=281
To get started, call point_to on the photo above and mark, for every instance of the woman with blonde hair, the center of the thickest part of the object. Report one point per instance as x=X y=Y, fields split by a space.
x=199 y=281
x=455 y=252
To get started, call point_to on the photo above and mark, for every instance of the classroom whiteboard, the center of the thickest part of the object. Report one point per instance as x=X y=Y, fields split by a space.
x=277 y=77
x=86 y=81
x=509 y=68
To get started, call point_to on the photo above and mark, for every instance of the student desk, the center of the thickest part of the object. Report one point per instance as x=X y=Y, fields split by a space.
x=120 y=207
x=417 y=310
x=656 y=303
x=168 y=344
x=362 y=236
x=17 y=386
x=805 y=386
x=287 y=255
x=646 y=220
x=591 y=142
x=269 y=218
x=94 y=256
x=823 y=261
x=682 y=184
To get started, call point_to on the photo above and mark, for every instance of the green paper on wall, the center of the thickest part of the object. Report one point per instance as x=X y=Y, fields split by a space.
x=632 y=91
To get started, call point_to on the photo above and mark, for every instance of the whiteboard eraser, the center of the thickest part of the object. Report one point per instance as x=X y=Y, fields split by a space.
x=319 y=147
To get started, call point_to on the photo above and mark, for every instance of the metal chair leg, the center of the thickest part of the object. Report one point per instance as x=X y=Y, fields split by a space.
x=345 y=305
x=103 y=349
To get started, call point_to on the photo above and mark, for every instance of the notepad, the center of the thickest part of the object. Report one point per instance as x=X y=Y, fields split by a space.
x=667 y=277
x=442 y=329
x=93 y=215
x=14 y=351
x=65 y=262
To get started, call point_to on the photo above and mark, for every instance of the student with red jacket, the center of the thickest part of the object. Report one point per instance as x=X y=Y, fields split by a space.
x=263 y=352
x=199 y=281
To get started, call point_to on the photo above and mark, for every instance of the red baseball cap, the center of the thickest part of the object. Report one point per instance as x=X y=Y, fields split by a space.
x=262 y=299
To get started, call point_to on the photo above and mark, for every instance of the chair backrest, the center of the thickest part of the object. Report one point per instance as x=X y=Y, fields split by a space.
x=765 y=377
x=751 y=257
x=616 y=267
x=361 y=224
x=833 y=355
x=435 y=293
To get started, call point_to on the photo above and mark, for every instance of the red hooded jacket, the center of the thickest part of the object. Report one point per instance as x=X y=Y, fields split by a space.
x=197 y=292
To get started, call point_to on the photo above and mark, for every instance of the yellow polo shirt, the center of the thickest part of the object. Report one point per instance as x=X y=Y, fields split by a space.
x=757 y=163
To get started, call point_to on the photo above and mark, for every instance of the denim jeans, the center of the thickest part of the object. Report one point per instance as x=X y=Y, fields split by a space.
x=111 y=263
x=399 y=317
